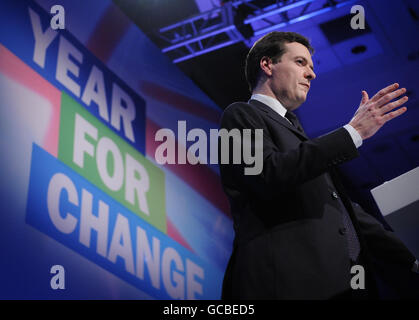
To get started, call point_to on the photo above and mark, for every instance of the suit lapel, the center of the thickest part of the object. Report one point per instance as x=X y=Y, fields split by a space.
x=278 y=118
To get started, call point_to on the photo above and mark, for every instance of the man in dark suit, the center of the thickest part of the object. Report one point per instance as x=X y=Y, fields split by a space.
x=297 y=234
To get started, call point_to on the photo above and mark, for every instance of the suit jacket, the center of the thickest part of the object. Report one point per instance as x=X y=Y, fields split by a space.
x=288 y=240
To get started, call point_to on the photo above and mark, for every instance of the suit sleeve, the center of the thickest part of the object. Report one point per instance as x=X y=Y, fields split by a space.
x=282 y=170
x=383 y=244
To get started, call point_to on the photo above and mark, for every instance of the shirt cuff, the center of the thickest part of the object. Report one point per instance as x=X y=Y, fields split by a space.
x=354 y=135
x=415 y=267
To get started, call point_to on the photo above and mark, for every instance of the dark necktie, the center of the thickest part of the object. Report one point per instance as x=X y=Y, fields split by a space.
x=354 y=246
x=349 y=231
x=294 y=120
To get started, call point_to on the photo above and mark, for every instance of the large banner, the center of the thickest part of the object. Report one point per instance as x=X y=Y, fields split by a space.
x=79 y=189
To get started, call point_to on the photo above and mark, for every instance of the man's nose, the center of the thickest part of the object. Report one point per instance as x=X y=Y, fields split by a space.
x=310 y=75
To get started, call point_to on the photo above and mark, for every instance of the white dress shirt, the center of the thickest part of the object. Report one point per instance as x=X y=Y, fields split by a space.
x=281 y=110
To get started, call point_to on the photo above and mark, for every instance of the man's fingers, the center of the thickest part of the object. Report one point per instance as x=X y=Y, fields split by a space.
x=389 y=96
x=384 y=91
x=394 y=104
x=394 y=114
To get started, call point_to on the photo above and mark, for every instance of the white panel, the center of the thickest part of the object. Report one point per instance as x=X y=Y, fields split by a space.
x=398 y=192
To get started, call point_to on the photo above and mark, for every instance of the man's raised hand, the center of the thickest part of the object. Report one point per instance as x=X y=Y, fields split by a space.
x=373 y=113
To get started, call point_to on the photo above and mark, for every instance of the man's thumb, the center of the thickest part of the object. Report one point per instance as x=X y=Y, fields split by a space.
x=364 y=96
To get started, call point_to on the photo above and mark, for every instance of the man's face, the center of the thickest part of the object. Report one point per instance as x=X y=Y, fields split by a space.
x=291 y=77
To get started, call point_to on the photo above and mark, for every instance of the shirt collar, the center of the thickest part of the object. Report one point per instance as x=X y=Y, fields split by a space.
x=273 y=103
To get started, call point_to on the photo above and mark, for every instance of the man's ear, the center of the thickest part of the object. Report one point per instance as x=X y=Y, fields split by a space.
x=266 y=66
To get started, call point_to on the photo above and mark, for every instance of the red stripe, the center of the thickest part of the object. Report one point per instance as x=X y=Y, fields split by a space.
x=16 y=69
x=108 y=32
x=200 y=177
x=180 y=101
x=173 y=233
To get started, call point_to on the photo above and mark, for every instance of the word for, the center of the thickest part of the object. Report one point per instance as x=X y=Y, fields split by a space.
x=126 y=174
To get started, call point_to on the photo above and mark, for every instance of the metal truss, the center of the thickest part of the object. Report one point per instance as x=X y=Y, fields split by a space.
x=236 y=21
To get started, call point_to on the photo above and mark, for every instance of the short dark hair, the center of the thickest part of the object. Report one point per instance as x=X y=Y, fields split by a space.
x=271 y=45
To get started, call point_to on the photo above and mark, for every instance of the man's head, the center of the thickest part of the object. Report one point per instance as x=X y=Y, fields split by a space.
x=280 y=65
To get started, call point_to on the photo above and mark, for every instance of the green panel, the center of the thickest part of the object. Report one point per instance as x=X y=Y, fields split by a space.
x=155 y=196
